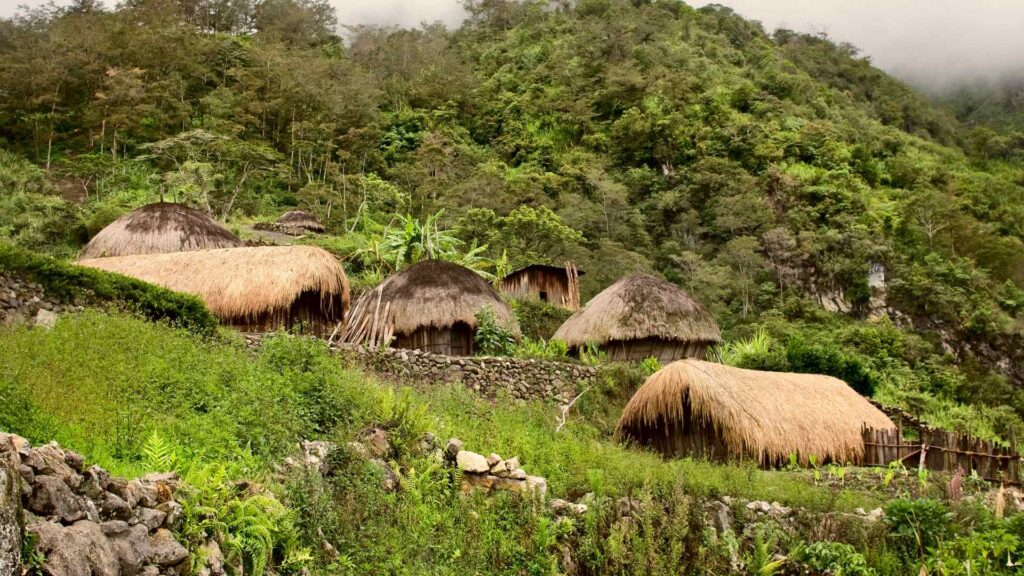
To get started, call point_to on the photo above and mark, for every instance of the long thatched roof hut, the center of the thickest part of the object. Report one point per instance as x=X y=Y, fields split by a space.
x=431 y=305
x=298 y=222
x=157 y=229
x=702 y=409
x=254 y=289
x=642 y=316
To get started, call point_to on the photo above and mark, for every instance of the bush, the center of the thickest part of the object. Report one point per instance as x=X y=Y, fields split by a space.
x=834 y=558
x=492 y=339
x=538 y=320
x=830 y=360
x=918 y=525
x=68 y=281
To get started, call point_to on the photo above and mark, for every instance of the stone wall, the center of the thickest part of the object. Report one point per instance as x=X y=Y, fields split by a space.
x=23 y=301
x=523 y=379
x=489 y=376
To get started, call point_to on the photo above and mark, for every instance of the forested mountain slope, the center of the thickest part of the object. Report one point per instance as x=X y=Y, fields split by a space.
x=768 y=174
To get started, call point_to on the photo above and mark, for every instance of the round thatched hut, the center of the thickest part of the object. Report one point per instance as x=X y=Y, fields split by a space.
x=253 y=289
x=642 y=316
x=159 y=228
x=431 y=305
x=298 y=222
x=702 y=409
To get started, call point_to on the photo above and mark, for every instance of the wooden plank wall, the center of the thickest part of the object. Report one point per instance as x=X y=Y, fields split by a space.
x=942 y=451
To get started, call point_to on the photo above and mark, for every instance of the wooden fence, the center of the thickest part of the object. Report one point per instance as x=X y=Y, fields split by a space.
x=942 y=451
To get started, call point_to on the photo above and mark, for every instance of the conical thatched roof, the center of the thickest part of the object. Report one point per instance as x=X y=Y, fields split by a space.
x=299 y=220
x=637 y=307
x=159 y=228
x=764 y=415
x=237 y=283
x=430 y=293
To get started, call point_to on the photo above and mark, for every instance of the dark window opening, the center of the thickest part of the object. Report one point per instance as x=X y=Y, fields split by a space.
x=543 y=296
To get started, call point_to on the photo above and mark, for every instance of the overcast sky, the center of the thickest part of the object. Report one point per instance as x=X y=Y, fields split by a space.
x=926 y=41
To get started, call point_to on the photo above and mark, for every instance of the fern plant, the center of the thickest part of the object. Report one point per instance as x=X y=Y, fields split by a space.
x=159 y=454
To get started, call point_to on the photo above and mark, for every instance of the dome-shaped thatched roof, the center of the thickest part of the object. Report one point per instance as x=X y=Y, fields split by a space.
x=430 y=293
x=300 y=220
x=764 y=415
x=638 y=307
x=157 y=229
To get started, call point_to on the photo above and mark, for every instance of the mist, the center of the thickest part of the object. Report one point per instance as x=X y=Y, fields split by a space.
x=933 y=44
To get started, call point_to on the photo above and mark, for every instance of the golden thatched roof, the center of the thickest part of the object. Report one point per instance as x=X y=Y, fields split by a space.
x=159 y=228
x=764 y=415
x=638 y=307
x=430 y=293
x=238 y=283
x=300 y=220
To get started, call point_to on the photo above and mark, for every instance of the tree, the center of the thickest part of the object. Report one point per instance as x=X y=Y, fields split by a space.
x=742 y=256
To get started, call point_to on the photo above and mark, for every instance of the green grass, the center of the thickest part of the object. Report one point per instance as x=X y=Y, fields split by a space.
x=103 y=383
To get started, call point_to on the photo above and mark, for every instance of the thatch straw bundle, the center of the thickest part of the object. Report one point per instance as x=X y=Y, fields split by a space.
x=428 y=294
x=159 y=228
x=639 y=307
x=298 y=221
x=692 y=407
x=243 y=285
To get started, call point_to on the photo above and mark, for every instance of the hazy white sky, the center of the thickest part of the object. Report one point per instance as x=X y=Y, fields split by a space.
x=923 y=40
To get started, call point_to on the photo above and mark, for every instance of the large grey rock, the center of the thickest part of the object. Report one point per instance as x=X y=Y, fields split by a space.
x=52 y=497
x=77 y=550
x=45 y=319
x=165 y=550
x=51 y=461
x=471 y=462
x=10 y=519
x=376 y=440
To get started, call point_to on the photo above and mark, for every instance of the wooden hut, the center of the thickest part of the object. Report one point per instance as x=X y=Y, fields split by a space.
x=299 y=222
x=558 y=286
x=639 y=317
x=157 y=229
x=254 y=289
x=701 y=409
x=431 y=305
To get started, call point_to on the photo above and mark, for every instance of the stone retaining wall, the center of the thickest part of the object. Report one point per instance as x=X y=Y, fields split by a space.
x=22 y=301
x=523 y=379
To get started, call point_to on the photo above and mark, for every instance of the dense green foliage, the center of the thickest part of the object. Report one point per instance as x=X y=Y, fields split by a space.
x=765 y=173
x=69 y=283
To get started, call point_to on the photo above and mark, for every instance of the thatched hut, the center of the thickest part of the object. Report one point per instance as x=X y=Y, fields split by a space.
x=298 y=222
x=558 y=286
x=701 y=409
x=642 y=316
x=157 y=229
x=431 y=305
x=254 y=289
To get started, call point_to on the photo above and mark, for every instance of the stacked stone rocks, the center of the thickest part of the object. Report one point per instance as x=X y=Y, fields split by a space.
x=84 y=521
x=523 y=379
x=24 y=301
x=492 y=473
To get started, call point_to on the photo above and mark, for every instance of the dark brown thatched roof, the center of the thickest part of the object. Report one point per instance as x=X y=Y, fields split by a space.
x=240 y=282
x=430 y=293
x=765 y=415
x=159 y=228
x=638 y=307
x=543 y=267
x=300 y=220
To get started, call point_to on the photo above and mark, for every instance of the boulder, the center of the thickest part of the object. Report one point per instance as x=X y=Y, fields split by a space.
x=214 y=559
x=77 y=550
x=113 y=507
x=131 y=546
x=44 y=319
x=52 y=497
x=172 y=514
x=453 y=448
x=377 y=443
x=148 y=517
x=471 y=462
x=492 y=460
x=165 y=550
x=10 y=519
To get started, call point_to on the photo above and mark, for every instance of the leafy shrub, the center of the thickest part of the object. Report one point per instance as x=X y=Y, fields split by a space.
x=650 y=365
x=830 y=360
x=918 y=525
x=66 y=281
x=538 y=320
x=540 y=348
x=834 y=558
x=492 y=339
